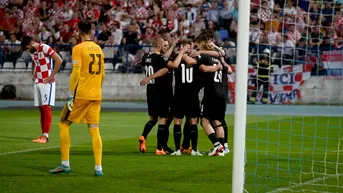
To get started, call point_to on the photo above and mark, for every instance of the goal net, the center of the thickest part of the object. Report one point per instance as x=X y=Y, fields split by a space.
x=293 y=144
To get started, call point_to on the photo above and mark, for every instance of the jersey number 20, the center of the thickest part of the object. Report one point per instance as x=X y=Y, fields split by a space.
x=149 y=70
x=187 y=74
x=90 y=70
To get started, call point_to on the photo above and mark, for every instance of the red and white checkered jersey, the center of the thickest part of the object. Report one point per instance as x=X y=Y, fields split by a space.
x=294 y=36
x=42 y=61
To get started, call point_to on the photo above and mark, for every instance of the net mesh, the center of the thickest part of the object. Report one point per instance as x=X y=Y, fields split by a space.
x=296 y=146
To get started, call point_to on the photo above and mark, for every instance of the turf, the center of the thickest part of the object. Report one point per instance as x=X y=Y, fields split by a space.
x=279 y=151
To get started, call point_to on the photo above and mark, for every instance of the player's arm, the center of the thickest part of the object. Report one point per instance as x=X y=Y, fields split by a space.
x=189 y=60
x=75 y=74
x=226 y=67
x=33 y=71
x=219 y=49
x=48 y=51
x=207 y=69
x=157 y=74
x=57 y=64
x=209 y=52
x=171 y=49
x=102 y=68
x=176 y=62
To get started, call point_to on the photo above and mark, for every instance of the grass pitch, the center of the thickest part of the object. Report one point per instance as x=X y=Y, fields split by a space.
x=279 y=150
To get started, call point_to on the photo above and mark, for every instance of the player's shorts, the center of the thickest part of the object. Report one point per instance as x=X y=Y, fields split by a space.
x=159 y=105
x=83 y=111
x=213 y=108
x=44 y=94
x=186 y=106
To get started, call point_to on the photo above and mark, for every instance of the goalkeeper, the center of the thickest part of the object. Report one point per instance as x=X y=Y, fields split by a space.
x=85 y=87
x=264 y=69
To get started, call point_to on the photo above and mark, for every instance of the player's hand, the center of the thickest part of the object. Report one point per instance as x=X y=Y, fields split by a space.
x=229 y=70
x=48 y=80
x=186 y=49
x=70 y=101
x=34 y=77
x=194 y=54
x=175 y=41
x=144 y=81
x=220 y=67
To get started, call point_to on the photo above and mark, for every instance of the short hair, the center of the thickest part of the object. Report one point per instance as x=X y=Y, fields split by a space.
x=155 y=42
x=85 y=26
x=186 y=42
x=25 y=41
x=200 y=39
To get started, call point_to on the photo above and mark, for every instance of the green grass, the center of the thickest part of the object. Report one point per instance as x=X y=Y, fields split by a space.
x=278 y=149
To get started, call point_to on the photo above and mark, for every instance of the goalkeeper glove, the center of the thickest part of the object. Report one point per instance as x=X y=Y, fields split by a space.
x=70 y=101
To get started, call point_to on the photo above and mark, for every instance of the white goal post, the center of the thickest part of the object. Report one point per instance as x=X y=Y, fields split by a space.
x=241 y=90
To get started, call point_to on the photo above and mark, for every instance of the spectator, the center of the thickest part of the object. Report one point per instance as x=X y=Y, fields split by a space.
x=68 y=13
x=149 y=33
x=226 y=15
x=131 y=38
x=17 y=14
x=13 y=49
x=190 y=14
x=293 y=34
x=213 y=13
x=7 y=23
x=273 y=35
x=44 y=34
x=285 y=51
x=184 y=26
x=264 y=14
x=198 y=25
x=171 y=24
x=156 y=22
x=3 y=49
x=43 y=12
x=103 y=36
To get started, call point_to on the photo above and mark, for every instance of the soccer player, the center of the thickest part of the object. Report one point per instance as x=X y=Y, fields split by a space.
x=84 y=102
x=167 y=51
x=213 y=103
x=219 y=53
x=159 y=89
x=43 y=74
x=186 y=100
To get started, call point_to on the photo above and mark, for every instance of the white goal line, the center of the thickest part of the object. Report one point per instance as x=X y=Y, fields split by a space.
x=310 y=182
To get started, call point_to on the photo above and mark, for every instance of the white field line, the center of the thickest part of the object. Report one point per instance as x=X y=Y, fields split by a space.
x=28 y=150
x=310 y=182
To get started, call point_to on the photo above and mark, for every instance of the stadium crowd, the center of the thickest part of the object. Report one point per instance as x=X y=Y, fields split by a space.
x=294 y=30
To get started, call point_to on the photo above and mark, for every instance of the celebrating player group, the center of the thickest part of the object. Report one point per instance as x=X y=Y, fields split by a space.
x=195 y=66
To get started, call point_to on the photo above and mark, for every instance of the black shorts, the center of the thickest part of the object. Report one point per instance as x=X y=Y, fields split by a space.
x=159 y=104
x=213 y=108
x=186 y=105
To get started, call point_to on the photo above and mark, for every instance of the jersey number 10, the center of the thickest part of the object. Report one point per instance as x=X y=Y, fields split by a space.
x=149 y=70
x=187 y=74
x=90 y=69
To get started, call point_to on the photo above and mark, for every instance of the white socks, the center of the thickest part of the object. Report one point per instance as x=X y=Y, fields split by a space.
x=65 y=163
x=98 y=167
x=46 y=135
